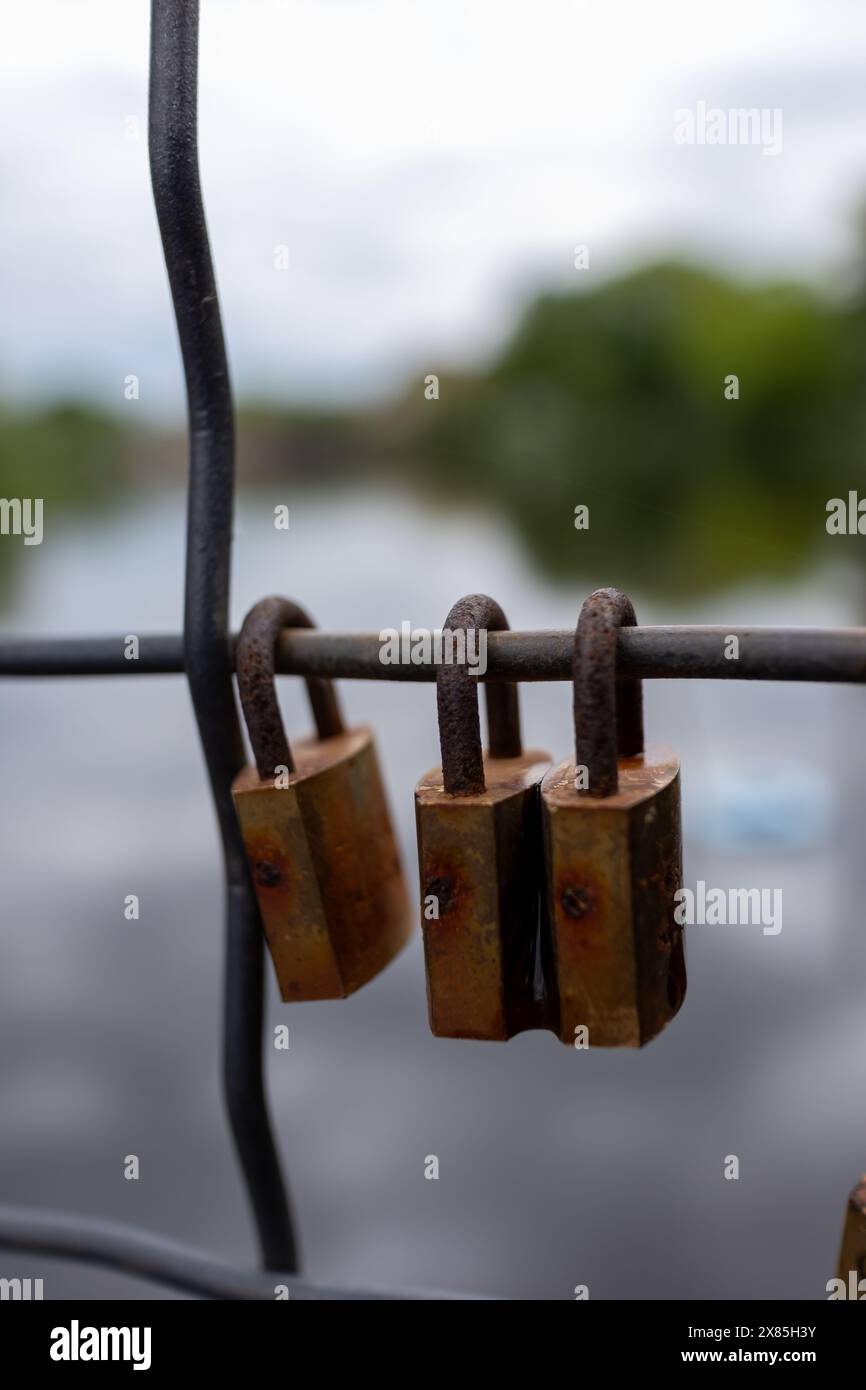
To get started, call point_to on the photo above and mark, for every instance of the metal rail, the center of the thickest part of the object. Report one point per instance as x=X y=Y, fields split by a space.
x=681 y=653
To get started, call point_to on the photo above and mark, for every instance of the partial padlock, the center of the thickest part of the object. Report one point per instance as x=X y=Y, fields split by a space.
x=851 y=1271
x=479 y=853
x=316 y=830
x=614 y=956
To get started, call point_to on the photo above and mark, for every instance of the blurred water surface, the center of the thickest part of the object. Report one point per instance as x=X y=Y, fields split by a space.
x=557 y=1167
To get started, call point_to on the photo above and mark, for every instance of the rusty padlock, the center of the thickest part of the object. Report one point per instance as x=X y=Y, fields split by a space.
x=851 y=1271
x=614 y=957
x=479 y=854
x=316 y=830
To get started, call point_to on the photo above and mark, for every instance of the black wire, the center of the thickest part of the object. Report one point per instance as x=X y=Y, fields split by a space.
x=206 y=649
x=144 y=1256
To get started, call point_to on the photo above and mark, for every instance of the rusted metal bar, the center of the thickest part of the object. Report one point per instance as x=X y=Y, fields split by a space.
x=255 y=669
x=457 y=702
x=608 y=723
x=835 y=655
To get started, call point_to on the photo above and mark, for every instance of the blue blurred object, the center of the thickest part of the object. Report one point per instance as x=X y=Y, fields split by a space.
x=771 y=803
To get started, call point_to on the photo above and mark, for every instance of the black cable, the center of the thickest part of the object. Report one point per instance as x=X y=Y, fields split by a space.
x=144 y=1256
x=206 y=653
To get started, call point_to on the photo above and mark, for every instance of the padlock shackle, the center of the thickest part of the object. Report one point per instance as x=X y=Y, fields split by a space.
x=254 y=659
x=457 y=705
x=608 y=714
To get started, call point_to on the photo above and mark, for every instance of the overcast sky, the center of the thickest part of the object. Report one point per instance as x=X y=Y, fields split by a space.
x=427 y=167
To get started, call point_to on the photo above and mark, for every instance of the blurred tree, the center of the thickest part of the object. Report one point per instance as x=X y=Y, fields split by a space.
x=69 y=455
x=616 y=399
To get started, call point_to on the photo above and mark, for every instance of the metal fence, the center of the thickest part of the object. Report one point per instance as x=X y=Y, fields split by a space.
x=205 y=654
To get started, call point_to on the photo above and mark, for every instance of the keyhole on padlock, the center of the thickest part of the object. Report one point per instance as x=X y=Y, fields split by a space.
x=576 y=901
x=267 y=874
x=442 y=889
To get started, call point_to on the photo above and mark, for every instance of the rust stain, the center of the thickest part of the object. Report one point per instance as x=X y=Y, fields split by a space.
x=579 y=910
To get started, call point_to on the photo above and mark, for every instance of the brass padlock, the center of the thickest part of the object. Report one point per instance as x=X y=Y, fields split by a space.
x=614 y=957
x=479 y=854
x=851 y=1272
x=316 y=830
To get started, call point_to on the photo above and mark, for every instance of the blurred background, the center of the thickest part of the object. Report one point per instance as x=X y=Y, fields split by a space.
x=395 y=193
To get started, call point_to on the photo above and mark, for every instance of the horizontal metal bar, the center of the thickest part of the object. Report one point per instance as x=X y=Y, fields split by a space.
x=690 y=653
x=142 y=1255
x=89 y=656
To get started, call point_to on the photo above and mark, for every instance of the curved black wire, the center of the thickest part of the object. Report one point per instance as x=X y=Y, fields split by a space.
x=145 y=1256
x=207 y=656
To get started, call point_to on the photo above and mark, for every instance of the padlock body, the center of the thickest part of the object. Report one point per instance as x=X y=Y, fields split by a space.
x=480 y=867
x=325 y=866
x=614 y=957
x=852 y=1254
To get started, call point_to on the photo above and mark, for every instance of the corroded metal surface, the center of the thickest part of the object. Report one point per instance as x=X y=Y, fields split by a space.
x=325 y=866
x=255 y=668
x=833 y=655
x=614 y=957
x=608 y=715
x=479 y=853
x=457 y=704
x=852 y=1255
x=480 y=866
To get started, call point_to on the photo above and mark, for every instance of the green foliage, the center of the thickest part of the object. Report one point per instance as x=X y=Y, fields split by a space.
x=612 y=398
x=69 y=455
x=616 y=399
